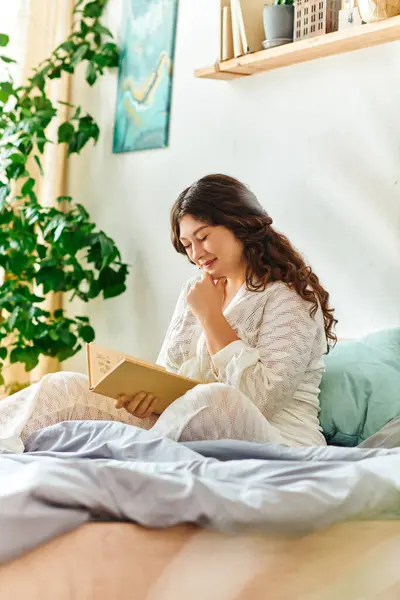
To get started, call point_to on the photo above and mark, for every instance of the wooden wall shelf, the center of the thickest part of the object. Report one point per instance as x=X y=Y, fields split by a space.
x=372 y=34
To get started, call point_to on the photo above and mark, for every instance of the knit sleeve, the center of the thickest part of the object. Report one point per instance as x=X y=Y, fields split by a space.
x=270 y=372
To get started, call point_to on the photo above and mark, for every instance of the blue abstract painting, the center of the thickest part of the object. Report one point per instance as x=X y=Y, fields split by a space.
x=145 y=75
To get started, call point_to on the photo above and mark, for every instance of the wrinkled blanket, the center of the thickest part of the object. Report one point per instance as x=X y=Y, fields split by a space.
x=75 y=472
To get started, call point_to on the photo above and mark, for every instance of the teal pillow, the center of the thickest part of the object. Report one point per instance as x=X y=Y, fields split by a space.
x=360 y=390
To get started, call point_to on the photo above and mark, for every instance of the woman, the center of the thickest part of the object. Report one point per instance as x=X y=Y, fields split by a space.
x=253 y=328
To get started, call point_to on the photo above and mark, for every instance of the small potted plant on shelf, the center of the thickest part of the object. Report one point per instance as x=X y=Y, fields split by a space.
x=278 y=23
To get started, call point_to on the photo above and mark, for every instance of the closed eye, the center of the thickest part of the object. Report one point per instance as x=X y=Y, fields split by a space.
x=199 y=240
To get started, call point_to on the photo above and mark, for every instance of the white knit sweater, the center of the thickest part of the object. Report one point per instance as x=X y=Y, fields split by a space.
x=277 y=362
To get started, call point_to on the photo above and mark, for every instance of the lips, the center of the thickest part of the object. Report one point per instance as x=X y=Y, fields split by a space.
x=208 y=264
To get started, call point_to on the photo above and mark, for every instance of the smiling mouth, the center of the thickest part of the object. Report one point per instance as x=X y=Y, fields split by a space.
x=209 y=263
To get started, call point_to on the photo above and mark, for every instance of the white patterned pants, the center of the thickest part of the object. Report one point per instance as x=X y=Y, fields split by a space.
x=207 y=412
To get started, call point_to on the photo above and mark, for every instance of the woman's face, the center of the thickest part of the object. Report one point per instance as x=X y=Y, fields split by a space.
x=213 y=248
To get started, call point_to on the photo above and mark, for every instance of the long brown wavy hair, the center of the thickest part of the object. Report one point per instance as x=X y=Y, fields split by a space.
x=225 y=201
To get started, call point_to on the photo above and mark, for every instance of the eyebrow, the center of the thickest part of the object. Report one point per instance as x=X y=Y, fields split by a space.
x=196 y=231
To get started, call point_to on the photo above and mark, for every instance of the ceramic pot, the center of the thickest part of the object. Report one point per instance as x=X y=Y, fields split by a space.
x=279 y=22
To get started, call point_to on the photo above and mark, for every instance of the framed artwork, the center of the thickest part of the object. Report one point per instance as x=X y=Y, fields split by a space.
x=145 y=75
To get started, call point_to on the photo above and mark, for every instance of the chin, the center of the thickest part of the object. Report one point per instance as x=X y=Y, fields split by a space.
x=216 y=273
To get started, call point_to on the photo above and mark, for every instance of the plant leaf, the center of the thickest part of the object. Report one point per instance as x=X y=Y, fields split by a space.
x=39 y=164
x=51 y=278
x=4 y=193
x=116 y=290
x=59 y=229
x=68 y=46
x=76 y=113
x=65 y=132
x=55 y=73
x=66 y=103
x=84 y=28
x=79 y=54
x=87 y=333
x=13 y=317
x=107 y=249
x=38 y=81
x=41 y=250
x=67 y=67
x=67 y=337
x=17 y=158
x=27 y=355
x=99 y=28
x=4 y=39
x=91 y=73
x=7 y=59
x=77 y=142
x=6 y=90
x=65 y=353
x=93 y=9
x=28 y=186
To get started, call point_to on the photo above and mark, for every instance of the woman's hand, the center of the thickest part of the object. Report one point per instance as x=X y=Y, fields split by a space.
x=141 y=405
x=206 y=298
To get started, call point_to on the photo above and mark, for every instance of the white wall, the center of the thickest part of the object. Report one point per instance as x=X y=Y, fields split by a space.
x=319 y=143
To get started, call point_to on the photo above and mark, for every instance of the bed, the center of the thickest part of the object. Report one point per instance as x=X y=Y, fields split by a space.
x=305 y=523
x=118 y=561
x=281 y=515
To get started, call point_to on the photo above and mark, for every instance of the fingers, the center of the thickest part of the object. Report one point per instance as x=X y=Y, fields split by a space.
x=150 y=408
x=143 y=409
x=133 y=405
x=124 y=401
x=141 y=405
x=207 y=277
x=120 y=401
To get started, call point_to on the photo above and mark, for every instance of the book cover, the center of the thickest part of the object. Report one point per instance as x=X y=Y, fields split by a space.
x=252 y=11
x=113 y=373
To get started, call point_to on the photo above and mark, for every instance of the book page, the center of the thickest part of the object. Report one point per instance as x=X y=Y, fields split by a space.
x=100 y=361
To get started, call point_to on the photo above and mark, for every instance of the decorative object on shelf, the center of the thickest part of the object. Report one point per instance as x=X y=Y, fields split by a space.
x=310 y=18
x=145 y=75
x=378 y=10
x=349 y=16
x=333 y=8
x=279 y=23
x=339 y=42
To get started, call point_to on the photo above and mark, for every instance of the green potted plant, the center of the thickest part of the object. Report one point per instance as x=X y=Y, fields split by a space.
x=50 y=249
x=278 y=23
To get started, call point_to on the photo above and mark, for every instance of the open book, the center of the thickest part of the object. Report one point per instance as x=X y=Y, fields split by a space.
x=113 y=373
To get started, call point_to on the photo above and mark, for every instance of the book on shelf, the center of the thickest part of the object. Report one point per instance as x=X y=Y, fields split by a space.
x=226 y=33
x=112 y=373
x=251 y=23
x=237 y=41
x=242 y=29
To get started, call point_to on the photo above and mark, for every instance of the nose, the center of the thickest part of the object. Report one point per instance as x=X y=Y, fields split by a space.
x=197 y=252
